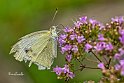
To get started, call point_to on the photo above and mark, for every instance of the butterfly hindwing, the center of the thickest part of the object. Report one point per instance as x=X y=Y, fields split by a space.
x=45 y=58
x=38 y=47
x=54 y=47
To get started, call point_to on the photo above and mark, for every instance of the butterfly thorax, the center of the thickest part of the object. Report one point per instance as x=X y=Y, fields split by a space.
x=53 y=32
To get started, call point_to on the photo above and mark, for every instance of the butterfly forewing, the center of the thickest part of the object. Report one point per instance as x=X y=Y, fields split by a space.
x=27 y=40
x=25 y=44
x=39 y=47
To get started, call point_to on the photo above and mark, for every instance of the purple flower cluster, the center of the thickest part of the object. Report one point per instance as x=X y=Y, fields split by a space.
x=83 y=20
x=105 y=43
x=93 y=22
x=68 y=58
x=80 y=39
x=68 y=29
x=121 y=38
x=103 y=46
x=64 y=72
x=101 y=66
x=118 y=19
x=120 y=67
x=88 y=47
x=101 y=37
x=73 y=37
x=66 y=48
x=120 y=54
x=62 y=38
x=69 y=41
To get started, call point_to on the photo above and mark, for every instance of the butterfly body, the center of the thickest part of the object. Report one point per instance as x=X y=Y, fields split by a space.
x=39 y=48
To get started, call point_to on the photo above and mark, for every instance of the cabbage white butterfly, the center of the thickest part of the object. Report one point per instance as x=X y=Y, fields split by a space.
x=38 y=47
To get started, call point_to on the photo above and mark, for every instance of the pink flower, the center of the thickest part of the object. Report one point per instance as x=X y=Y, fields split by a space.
x=101 y=66
x=68 y=58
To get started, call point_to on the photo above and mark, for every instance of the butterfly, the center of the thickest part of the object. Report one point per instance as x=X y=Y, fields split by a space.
x=38 y=47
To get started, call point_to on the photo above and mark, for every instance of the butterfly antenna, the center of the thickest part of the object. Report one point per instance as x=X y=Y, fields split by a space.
x=62 y=25
x=55 y=14
x=60 y=29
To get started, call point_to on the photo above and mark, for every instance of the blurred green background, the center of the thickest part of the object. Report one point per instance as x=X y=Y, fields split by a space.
x=20 y=17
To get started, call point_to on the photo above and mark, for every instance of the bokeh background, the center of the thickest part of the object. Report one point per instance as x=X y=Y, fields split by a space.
x=20 y=17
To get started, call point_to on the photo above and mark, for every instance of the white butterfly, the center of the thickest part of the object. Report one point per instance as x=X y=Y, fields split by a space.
x=39 y=48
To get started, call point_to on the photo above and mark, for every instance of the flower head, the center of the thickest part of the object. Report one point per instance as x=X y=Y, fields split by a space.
x=88 y=47
x=122 y=71
x=61 y=39
x=80 y=39
x=122 y=39
x=67 y=29
x=70 y=75
x=120 y=67
x=83 y=19
x=101 y=66
x=121 y=51
x=93 y=22
x=122 y=62
x=68 y=58
x=100 y=46
x=118 y=19
x=74 y=48
x=117 y=67
x=117 y=56
x=77 y=24
x=109 y=46
x=121 y=31
x=101 y=37
x=101 y=26
x=58 y=70
x=63 y=36
x=64 y=72
x=66 y=48
x=73 y=36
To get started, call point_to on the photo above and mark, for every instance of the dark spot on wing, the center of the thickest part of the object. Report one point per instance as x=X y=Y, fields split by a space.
x=27 y=50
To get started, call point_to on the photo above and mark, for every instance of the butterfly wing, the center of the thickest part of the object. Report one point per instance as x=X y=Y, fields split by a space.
x=30 y=45
x=54 y=47
x=46 y=57
x=38 y=47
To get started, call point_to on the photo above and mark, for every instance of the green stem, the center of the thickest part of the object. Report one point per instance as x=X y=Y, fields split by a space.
x=83 y=66
x=96 y=56
x=105 y=59
x=79 y=61
x=109 y=62
x=91 y=68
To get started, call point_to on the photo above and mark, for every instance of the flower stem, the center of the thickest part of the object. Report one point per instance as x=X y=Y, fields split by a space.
x=109 y=62
x=96 y=56
x=79 y=61
x=83 y=67
x=105 y=59
x=91 y=68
